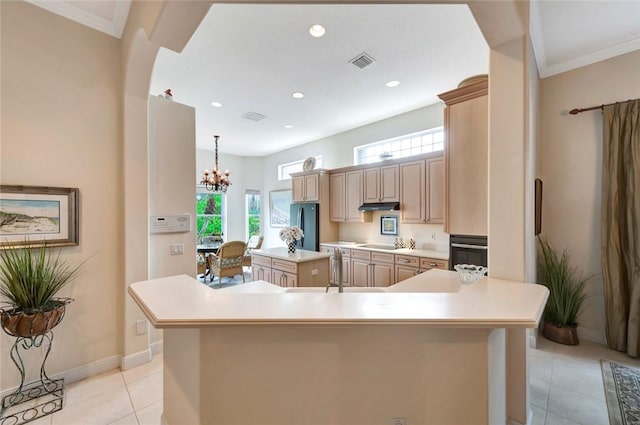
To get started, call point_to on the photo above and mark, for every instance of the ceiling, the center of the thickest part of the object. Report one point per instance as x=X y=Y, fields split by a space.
x=251 y=58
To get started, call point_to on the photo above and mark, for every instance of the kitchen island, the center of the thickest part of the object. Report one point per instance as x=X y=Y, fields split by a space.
x=301 y=268
x=428 y=349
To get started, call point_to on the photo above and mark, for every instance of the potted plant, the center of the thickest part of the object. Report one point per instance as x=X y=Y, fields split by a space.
x=566 y=293
x=29 y=280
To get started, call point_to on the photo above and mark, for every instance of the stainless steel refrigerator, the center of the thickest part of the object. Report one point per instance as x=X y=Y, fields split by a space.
x=306 y=217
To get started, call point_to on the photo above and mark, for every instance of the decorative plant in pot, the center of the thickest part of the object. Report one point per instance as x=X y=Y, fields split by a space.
x=566 y=293
x=29 y=280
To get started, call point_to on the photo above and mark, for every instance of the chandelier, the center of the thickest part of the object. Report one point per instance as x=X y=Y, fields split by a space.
x=215 y=180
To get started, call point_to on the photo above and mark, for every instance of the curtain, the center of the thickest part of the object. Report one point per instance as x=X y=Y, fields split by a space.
x=620 y=225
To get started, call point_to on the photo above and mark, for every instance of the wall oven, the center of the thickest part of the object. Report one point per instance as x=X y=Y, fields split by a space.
x=465 y=249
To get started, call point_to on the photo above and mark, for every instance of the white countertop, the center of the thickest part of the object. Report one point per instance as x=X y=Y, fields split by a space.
x=433 y=298
x=299 y=256
x=438 y=254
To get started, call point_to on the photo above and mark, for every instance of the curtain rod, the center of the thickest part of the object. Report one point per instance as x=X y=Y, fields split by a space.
x=591 y=108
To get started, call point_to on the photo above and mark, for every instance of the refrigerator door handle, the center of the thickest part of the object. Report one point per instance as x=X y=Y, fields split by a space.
x=301 y=225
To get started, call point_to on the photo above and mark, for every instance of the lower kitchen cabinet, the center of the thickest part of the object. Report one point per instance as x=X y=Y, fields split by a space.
x=408 y=266
x=346 y=264
x=261 y=268
x=371 y=269
x=297 y=271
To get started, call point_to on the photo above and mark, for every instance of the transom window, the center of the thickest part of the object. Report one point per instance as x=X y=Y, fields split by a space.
x=431 y=140
x=295 y=167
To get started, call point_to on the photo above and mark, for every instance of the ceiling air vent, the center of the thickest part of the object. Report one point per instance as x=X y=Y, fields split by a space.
x=363 y=60
x=254 y=116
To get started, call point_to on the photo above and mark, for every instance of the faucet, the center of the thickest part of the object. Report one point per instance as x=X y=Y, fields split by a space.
x=337 y=270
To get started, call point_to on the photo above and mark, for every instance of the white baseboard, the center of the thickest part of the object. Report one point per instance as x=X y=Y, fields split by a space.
x=137 y=359
x=592 y=335
x=157 y=347
x=81 y=372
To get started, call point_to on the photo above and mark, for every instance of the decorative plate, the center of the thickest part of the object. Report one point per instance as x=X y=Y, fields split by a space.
x=309 y=164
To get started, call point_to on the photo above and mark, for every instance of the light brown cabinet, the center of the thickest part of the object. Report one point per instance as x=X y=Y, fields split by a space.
x=290 y=273
x=381 y=184
x=466 y=159
x=305 y=188
x=345 y=198
x=373 y=269
x=422 y=191
x=408 y=266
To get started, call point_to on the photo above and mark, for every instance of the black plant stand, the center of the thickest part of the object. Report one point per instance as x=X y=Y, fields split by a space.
x=48 y=393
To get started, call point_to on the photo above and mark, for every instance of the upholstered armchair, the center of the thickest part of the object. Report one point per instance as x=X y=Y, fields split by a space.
x=255 y=242
x=228 y=261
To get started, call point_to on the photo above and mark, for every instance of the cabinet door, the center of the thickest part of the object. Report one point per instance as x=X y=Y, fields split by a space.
x=261 y=273
x=435 y=185
x=389 y=184
x=412 y=192
x=312 y=188
x=337 y=197
x=359 y=272
x=382 y=275
x=467 y=172
x=297 y=189
x=353 y=197
x=371 y=185
x=346 y=271
x=405 y=272
x=285 y=279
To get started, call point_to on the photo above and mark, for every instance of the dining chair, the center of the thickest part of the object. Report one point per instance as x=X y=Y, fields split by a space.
x=255 y=242
x=228 y=261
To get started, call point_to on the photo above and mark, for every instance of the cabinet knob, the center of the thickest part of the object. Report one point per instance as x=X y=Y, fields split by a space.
x=433 y=264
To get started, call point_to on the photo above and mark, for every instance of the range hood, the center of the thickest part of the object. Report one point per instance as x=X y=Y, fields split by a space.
x=380 y=206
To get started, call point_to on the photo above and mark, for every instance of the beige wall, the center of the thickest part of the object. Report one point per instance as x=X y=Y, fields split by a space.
x=570 y=165
x=62 y=126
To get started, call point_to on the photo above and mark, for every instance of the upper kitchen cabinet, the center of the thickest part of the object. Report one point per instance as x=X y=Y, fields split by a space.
x=422 y=191
x=466 y=159
x=345 y=189
x=306 y=187
x=381 y=184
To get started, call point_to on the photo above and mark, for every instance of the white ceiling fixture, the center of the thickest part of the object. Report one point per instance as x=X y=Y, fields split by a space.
x=216 y=104
x=106 y=16
x=288 y=126
x=317 y=30
x=297 y=95
x=393 y=83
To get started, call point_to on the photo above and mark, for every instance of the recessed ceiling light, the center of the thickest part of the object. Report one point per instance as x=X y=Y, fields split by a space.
x=297 y=95
x=216 y=104
x=316 y=30
x=288 y=126
x=393 y=83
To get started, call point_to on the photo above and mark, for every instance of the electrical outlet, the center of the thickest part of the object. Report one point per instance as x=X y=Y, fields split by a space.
x=142 y=327
x=398 y=421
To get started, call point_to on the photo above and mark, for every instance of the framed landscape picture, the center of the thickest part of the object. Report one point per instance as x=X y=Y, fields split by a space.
x=280 y=207
x=389 y=225
x=30 y=215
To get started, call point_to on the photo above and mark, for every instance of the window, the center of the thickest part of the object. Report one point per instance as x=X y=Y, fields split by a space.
x=399 y=147
x=210 y=213
x=294 y=167
x=252 y=198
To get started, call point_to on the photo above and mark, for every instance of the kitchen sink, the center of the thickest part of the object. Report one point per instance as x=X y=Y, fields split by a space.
x=317 y=289
x=376 y=246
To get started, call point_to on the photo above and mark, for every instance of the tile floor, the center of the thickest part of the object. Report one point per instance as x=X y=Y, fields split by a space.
x=566 y=389
x=566 y=382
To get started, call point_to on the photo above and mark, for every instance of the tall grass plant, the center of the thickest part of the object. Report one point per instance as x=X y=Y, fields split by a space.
x=566 y=286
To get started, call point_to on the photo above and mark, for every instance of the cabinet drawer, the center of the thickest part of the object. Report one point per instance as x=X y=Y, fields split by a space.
x=431 y=263
x=286 y=266
x=382 y=257
x=407 y=260
x=364 y=255
x=260 y=260
x=346 y=252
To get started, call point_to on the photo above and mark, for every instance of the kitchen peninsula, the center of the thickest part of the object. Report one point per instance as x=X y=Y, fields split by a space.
x=428 y=349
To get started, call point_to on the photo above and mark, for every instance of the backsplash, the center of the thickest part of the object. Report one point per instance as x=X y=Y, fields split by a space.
x=427 y=236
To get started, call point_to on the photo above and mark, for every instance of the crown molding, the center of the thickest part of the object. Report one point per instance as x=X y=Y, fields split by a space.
x=113 y=27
